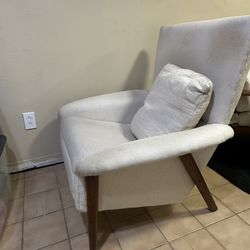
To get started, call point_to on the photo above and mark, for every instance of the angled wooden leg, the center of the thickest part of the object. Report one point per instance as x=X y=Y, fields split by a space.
x=92 y=209
x=195 y=174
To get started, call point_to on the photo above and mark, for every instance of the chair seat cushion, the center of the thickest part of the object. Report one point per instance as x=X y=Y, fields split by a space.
x=176 y=102
x=83 y=137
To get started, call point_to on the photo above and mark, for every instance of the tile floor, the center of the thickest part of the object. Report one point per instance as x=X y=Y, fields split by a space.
x=42 y=216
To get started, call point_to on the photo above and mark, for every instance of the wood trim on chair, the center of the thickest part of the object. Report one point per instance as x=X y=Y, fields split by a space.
x=92 y=209
x=195 y=174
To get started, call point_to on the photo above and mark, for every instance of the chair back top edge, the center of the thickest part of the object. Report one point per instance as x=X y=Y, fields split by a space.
x=219 y=49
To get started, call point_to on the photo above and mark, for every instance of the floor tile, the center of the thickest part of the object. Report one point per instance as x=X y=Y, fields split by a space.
x=174 y=221
x=64 y=245
x=213 y=178
x=40 y=183
x=245 y=216
x=67 y=199
x=17 y=188
x=76 y=222
x=197 y=206
x=59 y=166
x=164 y=247
x=200 y=240
x=194 y=191
x=138 y=233
x=119 y=215
x=233 y=197
x=15 y=211
x=232 y=233
x=61 y=176
x=37 y=171
x=133 y=228
x=16 y=176
x=44 y=231
x=81 y=242
x=12 y=237
x=41 y=203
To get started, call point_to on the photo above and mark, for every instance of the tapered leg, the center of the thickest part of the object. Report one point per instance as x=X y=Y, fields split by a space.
x=92 y=209
x=195 y=174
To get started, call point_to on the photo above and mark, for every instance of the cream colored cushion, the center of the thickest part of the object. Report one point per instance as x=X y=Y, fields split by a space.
x=176 y=102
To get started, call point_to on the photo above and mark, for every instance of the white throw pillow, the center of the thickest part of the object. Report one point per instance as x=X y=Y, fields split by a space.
x=176 y=102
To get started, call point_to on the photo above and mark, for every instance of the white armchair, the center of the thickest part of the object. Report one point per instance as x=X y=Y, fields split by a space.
x=108 y=168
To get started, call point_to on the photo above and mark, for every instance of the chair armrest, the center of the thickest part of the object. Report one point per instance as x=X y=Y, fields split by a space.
x=154 y=148
x=115 y=107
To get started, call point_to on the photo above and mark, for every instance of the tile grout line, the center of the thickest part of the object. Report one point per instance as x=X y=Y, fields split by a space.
x=50 y=245
x=22 y=247
x=215 y=238
x=237 y=215
x=35 y=168
x=158 y=228
x=47 y=190
x=39 y=216
x=112 y=229
x=219 y=186
x=35 y=175
x=216 y=223
x=234 y=213
x=244 y=210
x=192 y=214
x=63 y=211
x=212 y=223
x=155 y=248
x=224 y=204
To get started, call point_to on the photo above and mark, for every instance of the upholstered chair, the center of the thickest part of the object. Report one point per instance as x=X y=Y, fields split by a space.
x=109 y=168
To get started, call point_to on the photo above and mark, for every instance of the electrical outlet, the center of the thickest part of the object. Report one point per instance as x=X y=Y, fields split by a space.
x=29 y=120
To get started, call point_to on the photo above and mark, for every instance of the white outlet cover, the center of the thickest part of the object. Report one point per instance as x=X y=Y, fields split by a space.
x=29 y=120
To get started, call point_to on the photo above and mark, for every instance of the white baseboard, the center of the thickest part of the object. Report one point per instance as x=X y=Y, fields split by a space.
x=35 y=163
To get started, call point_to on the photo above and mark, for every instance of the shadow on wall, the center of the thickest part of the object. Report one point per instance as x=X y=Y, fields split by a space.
x=138 y=74
x=10 y=152
x=46 y=141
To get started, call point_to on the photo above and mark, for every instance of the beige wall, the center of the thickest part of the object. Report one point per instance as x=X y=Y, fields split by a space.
x=56 y=51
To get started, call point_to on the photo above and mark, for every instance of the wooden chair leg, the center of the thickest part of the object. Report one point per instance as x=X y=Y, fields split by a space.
x=195 y=174
x=92 y=209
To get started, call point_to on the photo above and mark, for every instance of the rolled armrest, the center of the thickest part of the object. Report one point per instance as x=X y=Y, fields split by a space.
x=115 y=107
x=154 y=148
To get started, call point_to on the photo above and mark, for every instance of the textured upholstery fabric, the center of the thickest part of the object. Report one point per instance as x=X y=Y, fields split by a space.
x=114 y=107
x=152 y=149
x=163 y=182
x=176 y=102
x=149 y=172
x=216 y=48
x=81 y=137
x=84 y=137
x=129 y=183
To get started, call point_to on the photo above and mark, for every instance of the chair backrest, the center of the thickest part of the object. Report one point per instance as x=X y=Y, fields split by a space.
x=219 y=49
